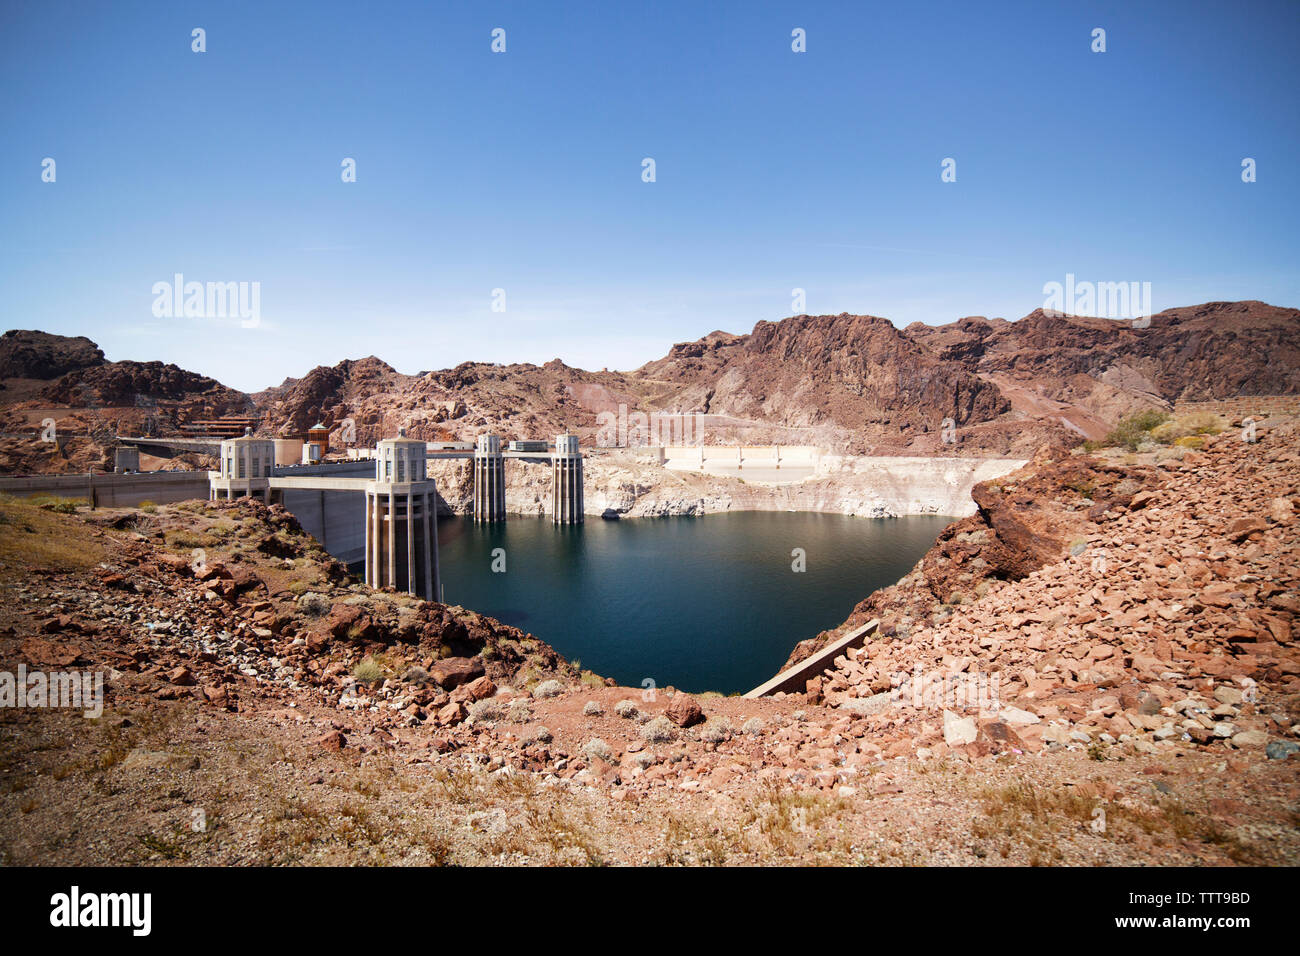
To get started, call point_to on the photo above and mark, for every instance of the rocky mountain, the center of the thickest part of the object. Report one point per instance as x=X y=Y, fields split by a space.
x=27 y=354
x=857 y=374
x=1086 y=372
x=457 y=403
x=851 y=384
x=91 y=399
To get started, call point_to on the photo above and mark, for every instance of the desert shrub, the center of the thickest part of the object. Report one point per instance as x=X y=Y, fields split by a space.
x=643 y=759
x=314 y=604
x=593 y=709
x=1132 y=430
x=1187 y=426
x=715 y=731
x=659 y=730
x=186 y=540
x=63 y=506
x=626 y=709
x=542 y=735
x=752 y=726
x=518 y=711
x=1083 y=487
x=486 y=711
x=548 y=688
x=368 y=671
x=148 y=507
x=597 y=749
x=1190 y=441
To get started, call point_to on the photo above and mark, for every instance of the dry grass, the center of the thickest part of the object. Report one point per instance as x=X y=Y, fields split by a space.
x=33 y=537
x=1042 y=821
x=793 y=823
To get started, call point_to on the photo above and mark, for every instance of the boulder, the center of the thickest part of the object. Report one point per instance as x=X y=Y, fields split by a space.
x=452 y=714
x=333 y=741
x=684 y=710
x=351 y=621
x=451 y=672
x=1239 y=529
x=958 y=730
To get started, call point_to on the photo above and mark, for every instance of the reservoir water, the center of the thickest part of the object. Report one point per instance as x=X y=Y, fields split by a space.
x=709 y=603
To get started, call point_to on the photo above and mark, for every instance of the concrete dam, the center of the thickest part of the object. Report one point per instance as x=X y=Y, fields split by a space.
x=382 y=512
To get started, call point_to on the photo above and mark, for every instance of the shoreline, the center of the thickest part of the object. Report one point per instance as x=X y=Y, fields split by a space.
x=623 y=486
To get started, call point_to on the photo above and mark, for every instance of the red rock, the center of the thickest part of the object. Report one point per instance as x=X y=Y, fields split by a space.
x=481 y=688
x=211 y=572
x=333 y=741
x=684 y=710
x=813 y=689
x=176 y=562
x=453 y=671
x=452 y=714
x=181 y=677
x=54 y=654
x=351 y=622
x=1239 y=529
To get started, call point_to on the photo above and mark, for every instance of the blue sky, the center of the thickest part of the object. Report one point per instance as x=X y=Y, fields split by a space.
x=522 y=171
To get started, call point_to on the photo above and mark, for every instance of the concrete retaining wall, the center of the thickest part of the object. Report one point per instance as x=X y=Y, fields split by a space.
x=114 y=491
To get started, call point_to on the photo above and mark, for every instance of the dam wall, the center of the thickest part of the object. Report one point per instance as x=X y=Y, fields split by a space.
x=337 y=519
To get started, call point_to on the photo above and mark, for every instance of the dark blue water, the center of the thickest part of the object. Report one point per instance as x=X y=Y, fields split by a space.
x=705 y=603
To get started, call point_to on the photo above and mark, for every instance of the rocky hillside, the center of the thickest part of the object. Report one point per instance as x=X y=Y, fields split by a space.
x=850 y=384
x=1148 y=604
x=90 y=399
x=1141 y=630
x=1087 y=373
